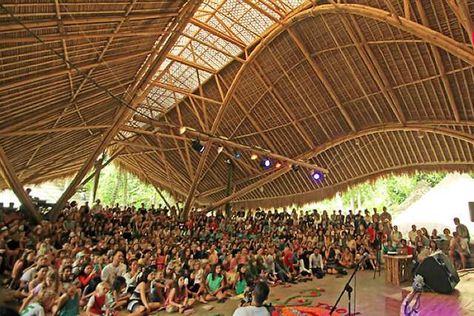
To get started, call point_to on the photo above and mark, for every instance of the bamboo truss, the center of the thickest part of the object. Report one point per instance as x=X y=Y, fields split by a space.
x=383 y=86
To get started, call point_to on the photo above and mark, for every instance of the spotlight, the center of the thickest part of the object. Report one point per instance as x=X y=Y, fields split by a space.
x=220 y=149
x=237 y=154
x=295 y=168
x=182 y=130
x=227 y=161
x=265 y=163
x=278 y=165
x=254 y=157
x=197 y=146
x=317 y=176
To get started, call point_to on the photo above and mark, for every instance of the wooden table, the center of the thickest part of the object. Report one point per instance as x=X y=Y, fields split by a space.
x=398 y=268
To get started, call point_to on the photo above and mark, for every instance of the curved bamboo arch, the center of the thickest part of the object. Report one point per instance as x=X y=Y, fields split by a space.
x=435 y=38
x=394 y=127
x=322 y=193
x=409 y=127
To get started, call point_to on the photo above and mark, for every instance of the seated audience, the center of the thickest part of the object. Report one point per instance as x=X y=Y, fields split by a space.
x=111 y=260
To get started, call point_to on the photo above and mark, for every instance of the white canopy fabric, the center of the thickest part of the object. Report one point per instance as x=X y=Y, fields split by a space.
x=438 y=207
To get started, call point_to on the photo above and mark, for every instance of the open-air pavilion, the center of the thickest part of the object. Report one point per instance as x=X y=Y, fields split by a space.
x=350 y=89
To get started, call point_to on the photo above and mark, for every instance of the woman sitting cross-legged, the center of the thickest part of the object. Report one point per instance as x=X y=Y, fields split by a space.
x=138 y=303
x=347 y=259
x=215 y=283
x=196 y=284
x=177 y=300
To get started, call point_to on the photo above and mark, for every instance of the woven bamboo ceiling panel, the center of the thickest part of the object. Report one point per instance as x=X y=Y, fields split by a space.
x=360 y=88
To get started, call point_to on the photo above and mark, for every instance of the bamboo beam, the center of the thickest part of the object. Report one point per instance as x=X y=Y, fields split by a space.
x=440 y=65
x=189 y=165
x=104 y=50
x=15 y=185
x=252 y=121
x=142 y=86
x=217 y=49
x=461 y=10
x=115 y=155
x=197 y=177
x=71 y=37
x=335 y=142
x=170 y=168
x=270 y=88
x=218 y=33
x=98 y=169
x=262 y=11
x=73 y=21
x=226 y=142
x=190 y=63
x=144 y=174
x=431 y=36
x=185 y=92
x=72 y=71
x=172 y=187
x=247 y=189
x=428 y=35
x=392 y=10
x=406 y=9
x=48 y=115
x=319 y=194
x=319 y=73
x=374 y=67
x=52 y=130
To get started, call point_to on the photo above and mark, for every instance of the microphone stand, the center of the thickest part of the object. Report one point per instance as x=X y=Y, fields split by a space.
x=348 y=288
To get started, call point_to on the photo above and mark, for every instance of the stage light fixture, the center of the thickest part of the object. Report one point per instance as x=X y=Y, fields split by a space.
x=237 y=154
x=197 y=146
x=295 y=168
x=265 y=163
x=228 y=161
x=220 y=149
x=317 y=176
x=182 y=130
x=278 y=165
x=254 y=157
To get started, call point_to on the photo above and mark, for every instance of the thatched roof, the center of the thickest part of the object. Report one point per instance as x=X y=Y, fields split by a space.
x=360 y=88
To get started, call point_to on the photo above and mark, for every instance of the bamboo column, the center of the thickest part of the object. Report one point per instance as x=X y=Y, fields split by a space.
x=14 y=183
x=98 y=168
x=230 y=176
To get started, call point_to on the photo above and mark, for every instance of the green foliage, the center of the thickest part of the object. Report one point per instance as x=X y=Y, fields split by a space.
x=388 y=191
x=432 y=178
x=119 y=186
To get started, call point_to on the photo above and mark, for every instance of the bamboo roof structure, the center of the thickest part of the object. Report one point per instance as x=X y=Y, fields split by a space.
x=356 y=89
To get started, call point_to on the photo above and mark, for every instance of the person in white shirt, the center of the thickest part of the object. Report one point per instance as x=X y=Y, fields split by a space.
x=412 y=235
x=396 y=236
x=259 y=295
x=114 y=269
x=316 y=264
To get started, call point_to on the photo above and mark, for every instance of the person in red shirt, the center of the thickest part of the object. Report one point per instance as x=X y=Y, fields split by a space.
x=288 y=259
x=213 y=226
x=86 y=275
x=97 y=305
x=371 y=233
x=404 y=248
